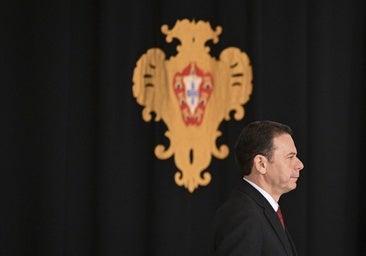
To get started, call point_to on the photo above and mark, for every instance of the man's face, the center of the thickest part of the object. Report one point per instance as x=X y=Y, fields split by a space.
x=284 y=168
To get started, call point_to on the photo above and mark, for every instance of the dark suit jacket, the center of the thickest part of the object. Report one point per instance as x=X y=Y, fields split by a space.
x=247 y=225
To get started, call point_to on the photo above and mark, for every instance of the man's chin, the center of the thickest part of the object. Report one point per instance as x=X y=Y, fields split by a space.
x=293 y=186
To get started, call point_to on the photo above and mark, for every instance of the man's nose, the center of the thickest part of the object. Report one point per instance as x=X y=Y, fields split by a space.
x=300 y=165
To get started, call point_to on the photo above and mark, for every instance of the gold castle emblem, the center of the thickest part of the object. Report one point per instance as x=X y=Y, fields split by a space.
x=192 y=93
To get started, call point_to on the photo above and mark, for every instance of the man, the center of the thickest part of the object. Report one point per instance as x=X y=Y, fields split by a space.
x=248 y=223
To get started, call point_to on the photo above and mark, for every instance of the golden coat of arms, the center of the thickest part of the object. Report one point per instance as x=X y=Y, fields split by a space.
x=192 y=93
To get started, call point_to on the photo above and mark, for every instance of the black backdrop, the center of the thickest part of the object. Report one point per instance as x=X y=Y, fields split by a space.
x=78 y=173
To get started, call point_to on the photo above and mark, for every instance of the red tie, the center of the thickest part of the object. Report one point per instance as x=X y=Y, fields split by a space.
x=279 y=213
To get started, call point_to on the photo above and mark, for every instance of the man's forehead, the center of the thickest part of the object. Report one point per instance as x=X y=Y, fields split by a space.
x=284 y=142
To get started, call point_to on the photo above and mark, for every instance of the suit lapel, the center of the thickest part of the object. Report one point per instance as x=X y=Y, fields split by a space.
x=292 y=243
x=271 y=216
x=276 y=225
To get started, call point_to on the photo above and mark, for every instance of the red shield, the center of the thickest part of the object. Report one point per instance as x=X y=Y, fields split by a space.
x=193 y=89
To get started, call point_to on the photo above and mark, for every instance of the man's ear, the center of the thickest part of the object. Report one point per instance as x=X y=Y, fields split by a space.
x=260 y=163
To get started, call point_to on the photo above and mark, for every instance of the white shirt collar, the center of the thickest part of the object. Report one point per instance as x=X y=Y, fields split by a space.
x=270 y=199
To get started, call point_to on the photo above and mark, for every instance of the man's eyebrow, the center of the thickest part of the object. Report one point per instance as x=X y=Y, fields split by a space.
x=292 y=154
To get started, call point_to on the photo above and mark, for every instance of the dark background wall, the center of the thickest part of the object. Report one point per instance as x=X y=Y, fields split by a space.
x=78 y=173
